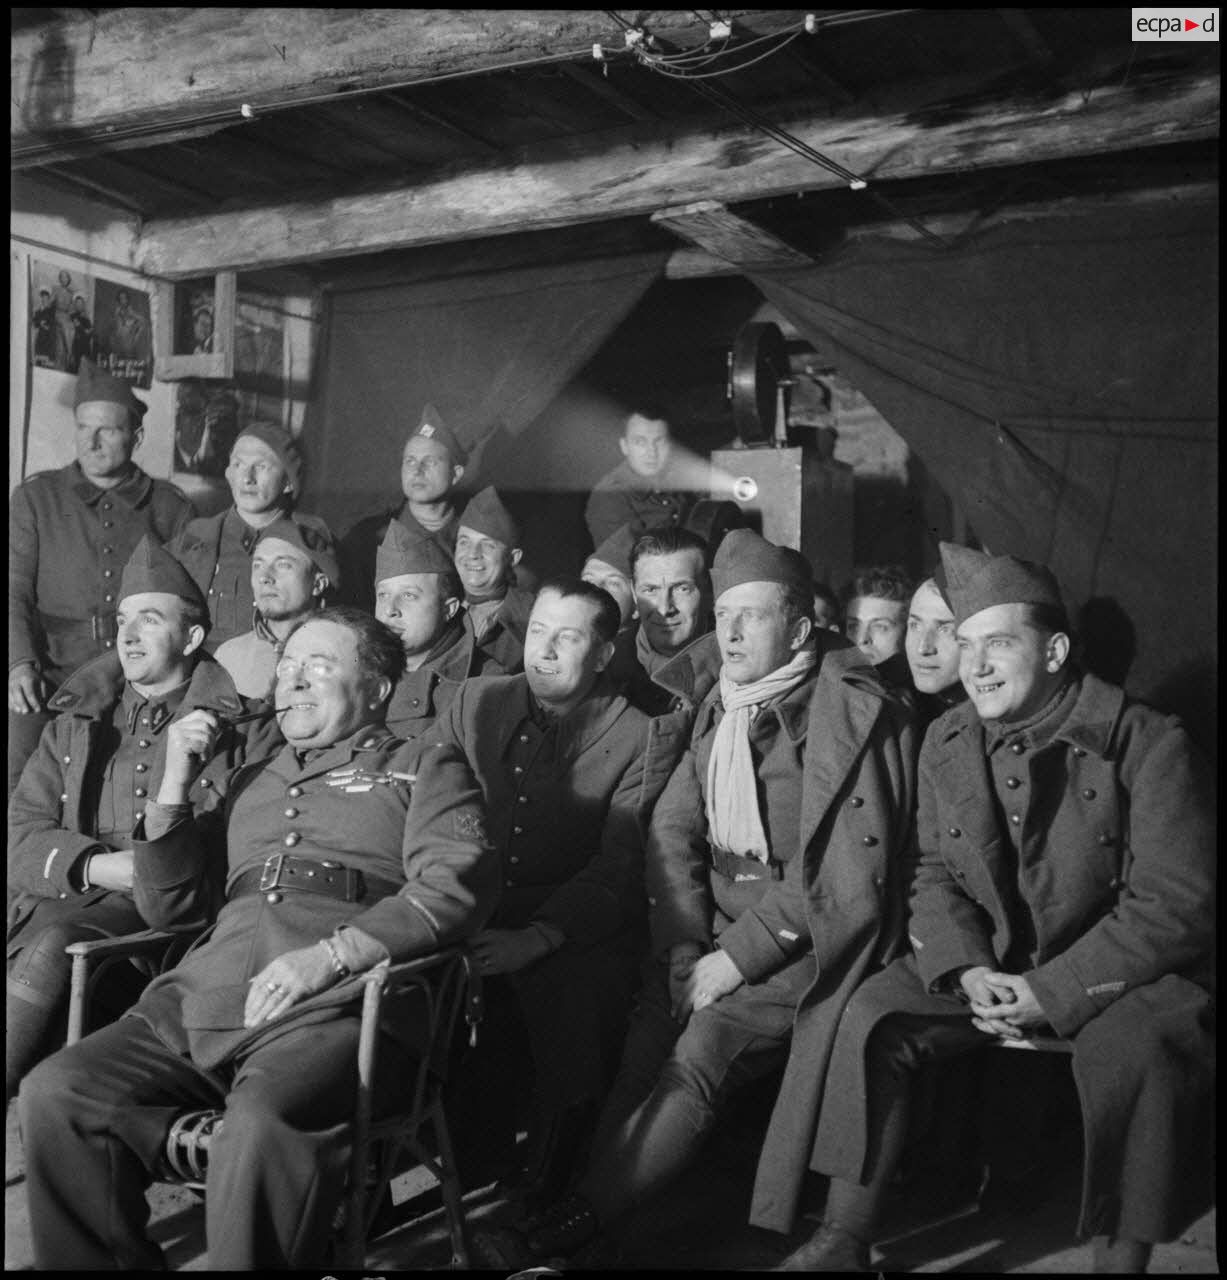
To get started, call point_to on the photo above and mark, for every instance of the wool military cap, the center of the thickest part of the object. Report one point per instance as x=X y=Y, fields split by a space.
x=317 y=545
x=486 y=514
x=615 y=551
x=283 y=444
x=153 y=568
x=976 y=581
x=433 y=427
x=746 y=556
x=404 y=552
x=96 y=384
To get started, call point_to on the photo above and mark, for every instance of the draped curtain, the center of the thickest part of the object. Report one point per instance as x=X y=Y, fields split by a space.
x=489 y=350
x=1059 y=378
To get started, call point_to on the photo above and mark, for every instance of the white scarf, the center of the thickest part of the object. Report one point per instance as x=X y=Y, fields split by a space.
x=733 y=821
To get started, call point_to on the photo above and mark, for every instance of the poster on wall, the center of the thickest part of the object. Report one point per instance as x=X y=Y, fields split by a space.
x=74 y=315
x=208 y=412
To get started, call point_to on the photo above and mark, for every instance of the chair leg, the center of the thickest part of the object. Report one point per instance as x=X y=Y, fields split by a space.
x=449 y=1181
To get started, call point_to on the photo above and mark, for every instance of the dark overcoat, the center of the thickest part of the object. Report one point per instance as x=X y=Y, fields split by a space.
x=623 y=497
x=420 y=697
x=53 y=815
x=1117 y=844
x=504 y=640
x=855 y=821
x=68 y=544
x=567 y=815
x=424 y=832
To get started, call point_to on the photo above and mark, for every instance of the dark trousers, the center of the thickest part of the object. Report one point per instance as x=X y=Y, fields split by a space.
x=94 y=1119
x=674 y=1081
x=39 y=975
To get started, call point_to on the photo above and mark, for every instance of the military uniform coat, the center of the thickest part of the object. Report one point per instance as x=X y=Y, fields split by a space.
x=624 y=497
x=426 y=835
x=420 y=697
x=53 y=813
x=1117 y=864
x=840 y=895
x=68 y=544
x=503 y=641
x=567 y=813
x=216 y=550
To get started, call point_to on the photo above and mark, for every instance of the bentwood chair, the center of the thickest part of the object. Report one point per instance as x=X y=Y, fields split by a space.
x=434 y=990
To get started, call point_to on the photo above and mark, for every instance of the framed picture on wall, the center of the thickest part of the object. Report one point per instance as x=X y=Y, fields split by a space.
x=194 y=328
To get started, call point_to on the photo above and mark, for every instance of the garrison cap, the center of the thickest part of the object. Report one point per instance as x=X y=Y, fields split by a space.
x=153 y=568
x=486 y=514
x=96 y=384
x=402 y=551
x=746 y=556
x=317 y=545
x=283 y=444
x=976 y=581
x=433 y=427
x=615 y=551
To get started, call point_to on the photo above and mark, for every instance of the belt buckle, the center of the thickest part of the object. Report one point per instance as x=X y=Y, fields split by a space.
x=272 y=865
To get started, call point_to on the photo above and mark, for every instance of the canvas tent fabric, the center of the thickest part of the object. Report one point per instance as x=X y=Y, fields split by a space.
x=1058 y=376
x=491 y=350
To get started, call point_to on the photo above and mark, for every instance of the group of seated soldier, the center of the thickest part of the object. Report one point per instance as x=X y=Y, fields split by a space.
x=690 y=837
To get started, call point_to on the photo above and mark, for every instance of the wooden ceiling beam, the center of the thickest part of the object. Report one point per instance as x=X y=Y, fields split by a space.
x=719 y=231
x=635 y=172
x=77 y=81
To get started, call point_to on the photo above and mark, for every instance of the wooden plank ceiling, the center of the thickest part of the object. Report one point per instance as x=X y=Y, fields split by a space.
x=325 y=140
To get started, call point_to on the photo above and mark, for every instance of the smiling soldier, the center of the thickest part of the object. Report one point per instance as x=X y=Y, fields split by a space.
x=559 y=756
x=487 y=552
x=1065 y=884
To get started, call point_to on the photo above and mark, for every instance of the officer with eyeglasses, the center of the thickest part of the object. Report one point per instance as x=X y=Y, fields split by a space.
x=345 y=848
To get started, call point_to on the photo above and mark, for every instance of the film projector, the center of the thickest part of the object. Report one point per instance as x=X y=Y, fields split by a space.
x=796 y=495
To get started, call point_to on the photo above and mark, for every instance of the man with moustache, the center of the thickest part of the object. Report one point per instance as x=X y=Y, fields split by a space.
x=345 y=848
x=487 y=551
x=1065 y=884
x=293 y=569
x=770 y=861
x=86 y=787
x=71 y=532
x=417 y=595
x=559 y=755
x=431 y=467
x=265 y=478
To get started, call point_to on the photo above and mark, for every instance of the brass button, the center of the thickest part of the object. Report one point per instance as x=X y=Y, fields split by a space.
x=108 y=644
x=108 y=598
x=274 y=898
x=517 y=769
x=522 y=799
x=1016 y=818
x=509 y=883
x=142 y=767
x=517 y=831
x=291 y=840
x=295 y=792
x=138 y=791
x=417 y=702
x=63 y=796
x=1017 y=748
x=651 y=902
x=106 y=506
x=870 y=841
x=1088 y=793
x=108 y=524
x=140 y=813
x=1106 y=838
x=523 y=737
x=107 y=550
x=955 y=832
x=513 y=859
x=144 y=719
x=291 y=813
x=1079 y=752
x=879 y=881
x=68 y=759
x=206 y=782
x=856 y=802
x=1012 y=783
x=108 y=573
x=144 y=742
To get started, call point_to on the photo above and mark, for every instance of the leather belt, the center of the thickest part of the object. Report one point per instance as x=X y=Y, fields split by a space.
x=284 y=871
x=96 y=626
x=736 y=868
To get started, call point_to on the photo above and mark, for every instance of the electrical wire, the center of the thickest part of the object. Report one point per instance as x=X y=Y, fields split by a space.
x=728 y=71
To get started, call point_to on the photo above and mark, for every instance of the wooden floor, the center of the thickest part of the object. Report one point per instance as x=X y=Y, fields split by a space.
x=701 y=1227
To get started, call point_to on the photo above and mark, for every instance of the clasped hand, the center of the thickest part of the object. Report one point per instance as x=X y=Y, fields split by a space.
x=1001 y=1003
